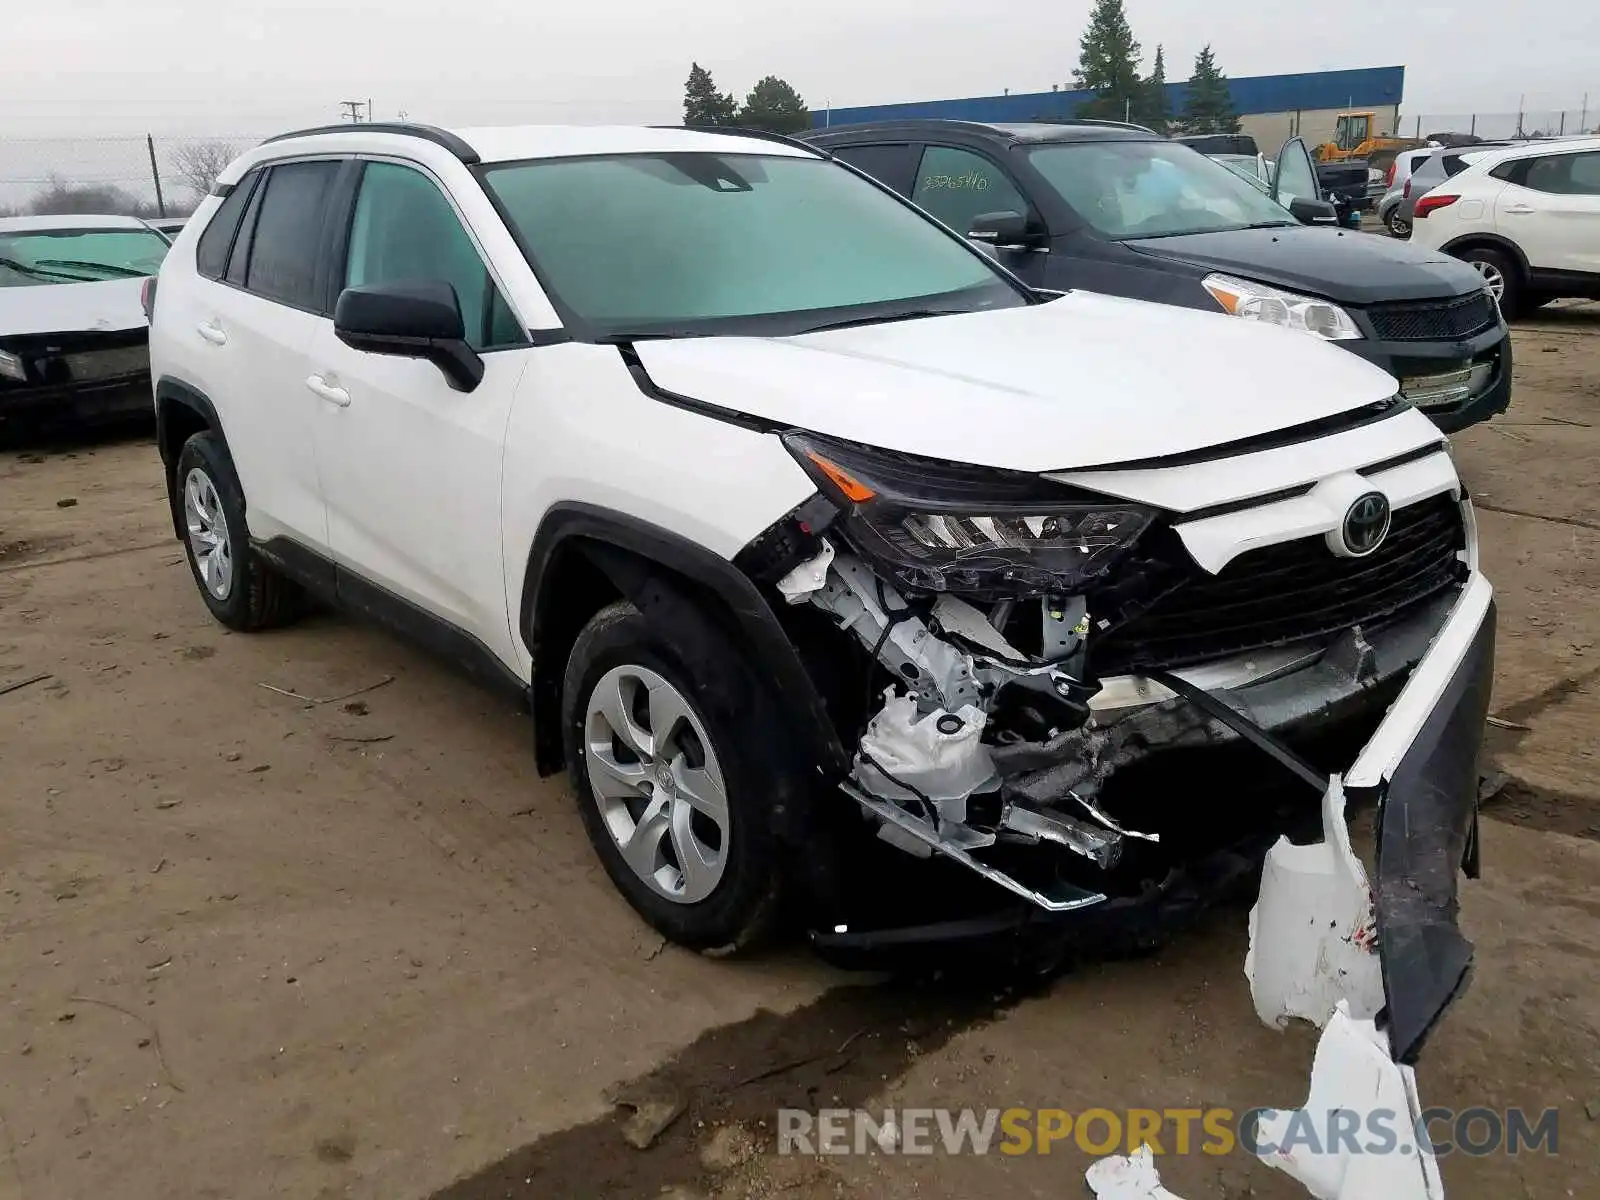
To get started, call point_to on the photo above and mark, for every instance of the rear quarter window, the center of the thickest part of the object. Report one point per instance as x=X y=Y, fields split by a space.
x=211 y=255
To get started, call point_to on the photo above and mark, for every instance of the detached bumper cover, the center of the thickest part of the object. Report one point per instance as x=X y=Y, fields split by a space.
x=1427 y=832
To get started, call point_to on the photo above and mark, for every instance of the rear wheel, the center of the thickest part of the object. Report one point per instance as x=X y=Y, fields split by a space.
x=1397 y=224
x=240 y=588
x=678 y=761
x=1500 y=275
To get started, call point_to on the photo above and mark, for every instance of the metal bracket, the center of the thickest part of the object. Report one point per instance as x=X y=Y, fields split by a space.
x=1065 y=899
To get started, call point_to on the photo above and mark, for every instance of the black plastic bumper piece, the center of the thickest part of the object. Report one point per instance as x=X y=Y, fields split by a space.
x=1427 y=831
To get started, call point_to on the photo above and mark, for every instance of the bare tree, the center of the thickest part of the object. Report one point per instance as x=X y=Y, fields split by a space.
x=59 y=197
x=197 y=164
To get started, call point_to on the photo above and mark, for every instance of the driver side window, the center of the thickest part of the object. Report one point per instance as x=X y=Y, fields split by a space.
x=404 y=230
x=958 y=185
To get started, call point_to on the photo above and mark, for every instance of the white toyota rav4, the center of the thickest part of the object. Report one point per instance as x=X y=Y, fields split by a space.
x=798 y=519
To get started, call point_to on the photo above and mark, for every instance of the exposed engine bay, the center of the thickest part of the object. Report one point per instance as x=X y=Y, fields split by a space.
x=1004 y=701
x=1024 y=641
x=976 y=742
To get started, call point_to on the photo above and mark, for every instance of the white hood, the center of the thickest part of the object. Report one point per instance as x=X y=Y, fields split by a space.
x=107 y=306
x=1081 y=381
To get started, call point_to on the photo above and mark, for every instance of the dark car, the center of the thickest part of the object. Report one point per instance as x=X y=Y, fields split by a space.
x=1119 y=209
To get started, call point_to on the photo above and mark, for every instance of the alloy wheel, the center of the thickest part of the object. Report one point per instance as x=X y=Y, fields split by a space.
x=208 y=533
x=1492 y=278
x=656 y=779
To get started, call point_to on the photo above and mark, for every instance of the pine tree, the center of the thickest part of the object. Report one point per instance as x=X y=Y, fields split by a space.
x=776 y=107
x=1108 y=63
x=1155 y=112
x=1210 y=105
x=703 y=104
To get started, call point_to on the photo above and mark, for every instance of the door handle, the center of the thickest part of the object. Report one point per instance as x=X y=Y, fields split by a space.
x=1519 y=209
x=333 y=395
x=213 y=333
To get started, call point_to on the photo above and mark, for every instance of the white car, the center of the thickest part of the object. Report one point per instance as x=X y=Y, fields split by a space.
x=1389 y=211
x=1527 y=217
x=798 y=520
x=72 y=336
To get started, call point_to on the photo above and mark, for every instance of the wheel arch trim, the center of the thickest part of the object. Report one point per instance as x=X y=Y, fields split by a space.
x=1490 y=241
x=629 y=551
x=169 y=394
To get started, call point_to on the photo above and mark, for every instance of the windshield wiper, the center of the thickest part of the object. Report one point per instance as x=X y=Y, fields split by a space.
x=34 y=269
x=122 y=272
x=885 y=318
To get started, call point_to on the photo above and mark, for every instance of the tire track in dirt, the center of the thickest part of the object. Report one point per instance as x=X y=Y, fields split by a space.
x=728 y=1086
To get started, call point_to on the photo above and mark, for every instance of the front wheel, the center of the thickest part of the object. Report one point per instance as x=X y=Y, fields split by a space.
x=678 y=761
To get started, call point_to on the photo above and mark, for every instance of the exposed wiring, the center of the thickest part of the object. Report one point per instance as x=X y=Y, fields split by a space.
x=930 y=811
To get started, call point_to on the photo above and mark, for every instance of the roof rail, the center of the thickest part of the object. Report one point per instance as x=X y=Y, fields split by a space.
x=428 y=133
x=745 y=131
x=1102 y=121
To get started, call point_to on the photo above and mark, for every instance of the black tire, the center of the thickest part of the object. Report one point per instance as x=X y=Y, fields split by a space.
x=677 y=642
x=1397 y=225
x=1511 y=299
x=258 y=597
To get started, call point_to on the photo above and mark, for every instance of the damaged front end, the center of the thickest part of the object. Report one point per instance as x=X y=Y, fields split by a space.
x=1028 y=643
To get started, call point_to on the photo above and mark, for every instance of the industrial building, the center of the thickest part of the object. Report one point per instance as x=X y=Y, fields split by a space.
x=1271 y=107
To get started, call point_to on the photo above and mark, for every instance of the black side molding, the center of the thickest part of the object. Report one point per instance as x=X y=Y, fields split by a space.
x=625 y=549
x=428 y=133
x=356 y=594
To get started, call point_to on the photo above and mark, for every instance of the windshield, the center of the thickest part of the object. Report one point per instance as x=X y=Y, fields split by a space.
x=1153 y=189
x=41 y=256
x=683 y=244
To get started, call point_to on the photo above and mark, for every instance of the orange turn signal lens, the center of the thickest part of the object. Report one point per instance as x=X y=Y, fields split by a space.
x=851 y=487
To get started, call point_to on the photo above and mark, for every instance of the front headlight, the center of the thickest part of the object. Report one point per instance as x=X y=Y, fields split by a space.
x=11 y=367
x=1274 y=306
x=942 y=526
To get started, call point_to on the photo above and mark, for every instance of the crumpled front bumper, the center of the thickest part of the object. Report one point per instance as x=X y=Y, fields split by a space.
x=1374 y=966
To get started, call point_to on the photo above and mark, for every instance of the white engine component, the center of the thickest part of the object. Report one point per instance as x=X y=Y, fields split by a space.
x=939 y=755
x=1313 y=931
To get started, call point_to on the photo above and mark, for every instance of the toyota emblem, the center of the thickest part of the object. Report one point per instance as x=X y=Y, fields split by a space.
x=1366 y=524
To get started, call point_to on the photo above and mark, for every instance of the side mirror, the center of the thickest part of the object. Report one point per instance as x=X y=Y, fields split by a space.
x=1002 y=229
x=1313 y=212
x=411 y=320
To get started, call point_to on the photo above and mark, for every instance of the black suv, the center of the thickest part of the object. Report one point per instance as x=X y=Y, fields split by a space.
x=1120 y=209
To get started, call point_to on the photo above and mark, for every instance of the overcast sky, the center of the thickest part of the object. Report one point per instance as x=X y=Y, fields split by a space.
x=86 y=67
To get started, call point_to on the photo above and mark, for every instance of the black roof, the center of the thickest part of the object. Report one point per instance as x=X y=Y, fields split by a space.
x=1018 y=131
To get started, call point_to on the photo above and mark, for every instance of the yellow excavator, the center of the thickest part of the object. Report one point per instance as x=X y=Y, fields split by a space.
x=1355 y=136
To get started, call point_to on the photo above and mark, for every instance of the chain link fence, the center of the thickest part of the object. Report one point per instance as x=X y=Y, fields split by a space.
x=144 y=176
x=1501 y=125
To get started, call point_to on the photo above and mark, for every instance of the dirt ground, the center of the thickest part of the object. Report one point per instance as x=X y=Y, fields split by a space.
x=251 y=946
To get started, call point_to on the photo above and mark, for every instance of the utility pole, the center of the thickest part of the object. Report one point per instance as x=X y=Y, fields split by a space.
x=155 y=174
x=352 y=110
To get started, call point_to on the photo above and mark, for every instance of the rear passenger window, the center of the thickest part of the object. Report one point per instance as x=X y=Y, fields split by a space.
x=211 y=255
x=283 y=248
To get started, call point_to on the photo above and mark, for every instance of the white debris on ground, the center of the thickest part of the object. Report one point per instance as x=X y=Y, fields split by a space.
x=1313 y=955
x=1353 y=1075
x=1128 y=1177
